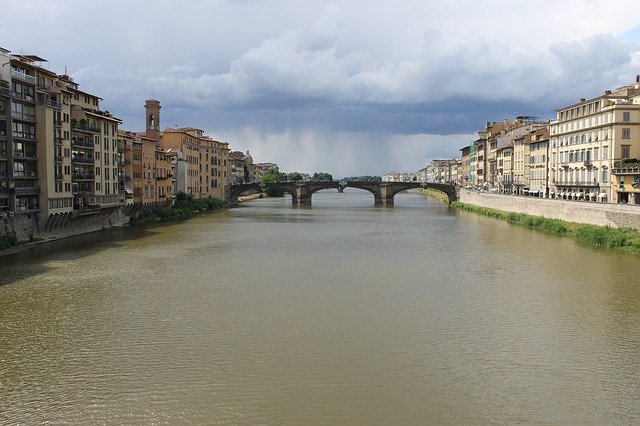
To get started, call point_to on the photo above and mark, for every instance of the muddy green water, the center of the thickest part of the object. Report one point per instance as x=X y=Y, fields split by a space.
x=341 y=313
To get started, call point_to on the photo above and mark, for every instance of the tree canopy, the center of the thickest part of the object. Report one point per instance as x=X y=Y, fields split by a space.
x=363 y=179
x=274 y=175
x=322 y=177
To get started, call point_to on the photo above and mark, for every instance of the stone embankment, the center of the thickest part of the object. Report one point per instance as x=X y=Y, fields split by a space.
x=249 y=197
x=601 y=214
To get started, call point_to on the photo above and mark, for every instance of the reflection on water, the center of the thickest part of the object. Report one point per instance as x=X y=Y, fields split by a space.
x=339 y=313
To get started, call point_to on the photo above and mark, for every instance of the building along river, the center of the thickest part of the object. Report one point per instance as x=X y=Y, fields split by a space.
x=339 y=313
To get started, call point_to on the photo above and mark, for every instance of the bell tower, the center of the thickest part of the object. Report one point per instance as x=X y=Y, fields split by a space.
x=152 y=113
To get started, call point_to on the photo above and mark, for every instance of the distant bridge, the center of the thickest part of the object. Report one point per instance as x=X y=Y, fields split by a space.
x=301 y=192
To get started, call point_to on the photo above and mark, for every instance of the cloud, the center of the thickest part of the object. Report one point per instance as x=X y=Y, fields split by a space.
x=384 y=79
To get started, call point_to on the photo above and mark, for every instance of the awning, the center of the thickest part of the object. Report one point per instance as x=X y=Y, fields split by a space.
x=128 y=189
x=602 y=195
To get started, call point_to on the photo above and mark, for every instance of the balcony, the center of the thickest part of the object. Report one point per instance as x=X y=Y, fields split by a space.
x=81 y=143
x=58 y=176
x=27 y=155
x=57 y=140
x=23 y=76
x=57 y=122
x=587 y=163
x=23 y=96
x=53 y=104
x=22 y=135
x=85 y=127
x=81 y=188
x=30 y=174
x=22 y=116
x=84 y=176
x=564 y=165
x=578 y=183
x=78 y=159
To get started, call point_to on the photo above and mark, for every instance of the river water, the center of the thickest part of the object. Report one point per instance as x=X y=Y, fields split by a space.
x=342 y=313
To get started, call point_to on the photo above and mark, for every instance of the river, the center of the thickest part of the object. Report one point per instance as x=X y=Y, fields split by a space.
x=342 y=313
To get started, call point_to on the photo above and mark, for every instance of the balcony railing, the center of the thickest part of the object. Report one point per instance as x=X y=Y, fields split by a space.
x=83 y=160
x=23 y=116
x=27 y=174
x=58 y=158
x=22 y=135
x=23 y=76
x=24 y=96
x=81 y=188
x=84 y=176
x=85 y=127
x=578 y=183
x=54 y=104
x=82 y=143
x=29 y=155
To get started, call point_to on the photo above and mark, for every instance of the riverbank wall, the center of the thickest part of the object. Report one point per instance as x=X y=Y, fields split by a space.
x=27 y=227
x=601 y=214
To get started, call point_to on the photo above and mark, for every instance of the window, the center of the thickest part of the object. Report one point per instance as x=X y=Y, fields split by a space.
x=605 y=152
x=625 y=151
x=605 y=176
x=626 y=116
x=626 y=133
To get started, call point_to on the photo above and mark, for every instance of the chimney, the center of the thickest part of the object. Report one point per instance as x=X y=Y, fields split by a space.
x=607 y=92
x=638 y=78
x=582 y=100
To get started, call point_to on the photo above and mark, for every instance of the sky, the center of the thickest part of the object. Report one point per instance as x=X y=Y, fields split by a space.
x=345 y=87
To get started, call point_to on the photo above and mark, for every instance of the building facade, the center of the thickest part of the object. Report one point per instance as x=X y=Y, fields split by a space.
x=58 y=148
x=588 y=138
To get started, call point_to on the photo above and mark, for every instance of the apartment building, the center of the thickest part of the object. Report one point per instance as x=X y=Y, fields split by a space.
x=58 y=149
x=588 y=139
x=132 y=155
x=207 y=161
x=464 y=172
x=537 y=142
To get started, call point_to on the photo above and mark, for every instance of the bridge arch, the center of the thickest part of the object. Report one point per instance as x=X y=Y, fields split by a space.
x=371 y=187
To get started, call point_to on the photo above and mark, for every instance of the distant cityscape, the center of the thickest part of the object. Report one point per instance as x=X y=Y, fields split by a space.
x=61 y=155
x=590 y=152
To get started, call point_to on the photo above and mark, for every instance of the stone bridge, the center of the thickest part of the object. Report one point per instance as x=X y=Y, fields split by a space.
x=301 y=192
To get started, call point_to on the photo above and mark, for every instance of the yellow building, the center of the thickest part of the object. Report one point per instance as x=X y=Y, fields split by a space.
x=588 y=138
x=537 y=142
x=132 y=157
x=207 y=161
x=157 y=185
x=626 y=181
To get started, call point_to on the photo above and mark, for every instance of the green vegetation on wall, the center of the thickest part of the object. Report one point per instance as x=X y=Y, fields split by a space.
x=184 y=208
x=7 y=241
x=621 y=238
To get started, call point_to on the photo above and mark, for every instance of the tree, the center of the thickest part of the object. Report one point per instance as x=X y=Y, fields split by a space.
x=322 y=177
x=274 y=175
x=295 y=177
x=364 y=179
